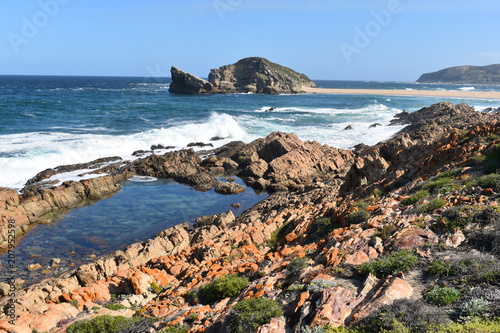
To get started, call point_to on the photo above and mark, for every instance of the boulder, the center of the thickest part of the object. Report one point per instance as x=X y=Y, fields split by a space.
x=186 y=83
x=258 y=75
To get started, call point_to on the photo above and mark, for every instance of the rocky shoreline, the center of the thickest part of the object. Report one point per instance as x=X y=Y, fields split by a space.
x=331 y=211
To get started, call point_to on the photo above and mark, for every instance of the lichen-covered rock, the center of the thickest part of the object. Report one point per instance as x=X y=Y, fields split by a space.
x=186 y=83
x=258 y=75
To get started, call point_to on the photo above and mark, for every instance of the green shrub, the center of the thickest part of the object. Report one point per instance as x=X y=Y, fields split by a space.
x=489 y=181
x=296 y=265
x=401 y=260
x=115 y=306
x=431 y=206
x=320 y=284
x=440 y=268
x=156 y=287
x=436 y=184
x=473 y=308
x=442 y=296
x=458 y=217
x=492 y=162
x=484 y=326
x=248 y=315
x=227 y=286
x=470 y=269
x=360 y=215
x=177 y=329
x=414 y=198
x=492 y=137
x=403 y=316
x=320 y=228
x=387 y=231
x=103 y=324
x=378 y=193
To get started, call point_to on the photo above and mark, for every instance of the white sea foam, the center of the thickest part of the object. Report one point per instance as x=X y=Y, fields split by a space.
x=375 y=107
x=74 y=175
x=467 y=88
x=334 y=134
x=142 y=179
x=24 y=155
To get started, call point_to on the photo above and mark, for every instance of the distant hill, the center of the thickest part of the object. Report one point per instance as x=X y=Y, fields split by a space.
x=464 y=75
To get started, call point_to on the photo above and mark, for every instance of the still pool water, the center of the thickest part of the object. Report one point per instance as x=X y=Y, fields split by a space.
x=136 y=213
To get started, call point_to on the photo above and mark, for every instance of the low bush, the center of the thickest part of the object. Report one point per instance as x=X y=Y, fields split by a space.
x=469 y=269
x=296 y=265
x=155 y=287
x=483 y=326
x=115 y=306
x=227 y=286
x=404 y=316
x=320 y=228
x=360 y=213
x=473 y=308
x=177 y=329
x=248 y=315
x=486 y=237
x=457 y=217
x=492 y=162
x=320 y=284
x=431 y=206
x=103 y=324
x=414 y=198
x=489 y=181
x=442 y=296
x=400 y=261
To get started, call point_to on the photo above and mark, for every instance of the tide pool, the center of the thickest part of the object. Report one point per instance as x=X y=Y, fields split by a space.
x=136 y=213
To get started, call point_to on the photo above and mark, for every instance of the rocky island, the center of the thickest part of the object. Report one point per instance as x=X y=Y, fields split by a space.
x=249 y=75
x=464 y=75
x=402 y=236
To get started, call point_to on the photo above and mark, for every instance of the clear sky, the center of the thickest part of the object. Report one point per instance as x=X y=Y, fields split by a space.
x=391 y=40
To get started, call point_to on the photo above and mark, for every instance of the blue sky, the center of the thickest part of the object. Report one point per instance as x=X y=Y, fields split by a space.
x=391 y=40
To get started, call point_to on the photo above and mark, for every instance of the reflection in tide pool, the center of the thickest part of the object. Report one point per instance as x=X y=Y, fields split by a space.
x=138 y=212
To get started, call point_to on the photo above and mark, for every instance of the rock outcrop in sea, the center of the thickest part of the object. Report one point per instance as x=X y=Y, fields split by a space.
x=366 y=238
x=186 y=83
x=249 y=75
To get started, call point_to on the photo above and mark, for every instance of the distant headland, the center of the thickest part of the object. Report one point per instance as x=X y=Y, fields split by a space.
x=464 y=75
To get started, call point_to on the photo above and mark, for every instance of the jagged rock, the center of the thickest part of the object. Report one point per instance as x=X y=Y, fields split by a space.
x=258 y=75
x=333 y=306
x=199 y=144
x=285 y=160
x=229 y=188
x=409 y=239
x=277 y=325
x=255 y=169
x=186 y=83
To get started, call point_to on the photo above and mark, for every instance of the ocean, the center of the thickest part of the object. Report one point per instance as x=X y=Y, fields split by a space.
x=47 y=121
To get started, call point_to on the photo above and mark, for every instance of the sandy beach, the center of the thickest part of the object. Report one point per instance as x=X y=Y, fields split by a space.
x=390 y=92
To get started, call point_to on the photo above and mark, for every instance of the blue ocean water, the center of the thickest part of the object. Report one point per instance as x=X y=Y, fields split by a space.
x=46 y=121
x=136 y=213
